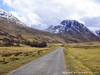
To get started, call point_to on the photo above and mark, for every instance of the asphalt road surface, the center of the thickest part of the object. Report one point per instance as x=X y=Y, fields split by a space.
x=50 y=64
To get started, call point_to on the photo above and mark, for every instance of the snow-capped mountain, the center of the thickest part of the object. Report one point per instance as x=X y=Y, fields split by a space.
x=73 y=29
x=97 y=32
x=9 y=17
x=69 y=26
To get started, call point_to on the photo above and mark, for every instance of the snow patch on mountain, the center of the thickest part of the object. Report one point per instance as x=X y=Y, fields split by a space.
x=9 y=17
x=69 y=26
x=97 y=32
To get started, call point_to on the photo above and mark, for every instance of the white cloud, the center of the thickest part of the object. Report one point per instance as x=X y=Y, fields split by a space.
x=47 y=12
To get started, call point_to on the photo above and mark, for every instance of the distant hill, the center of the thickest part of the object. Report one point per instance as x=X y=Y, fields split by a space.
x=73 y=30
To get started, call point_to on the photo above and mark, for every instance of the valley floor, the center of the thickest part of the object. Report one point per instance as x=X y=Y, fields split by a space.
x=83 y=58
x=50 y=64
x=80 y=58
x=13 y=57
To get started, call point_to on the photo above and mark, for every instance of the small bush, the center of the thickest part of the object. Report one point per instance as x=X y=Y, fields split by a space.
x=10 y=42
x=6 y=54
x=4 y=61
x=13 y=59
x=35 y=44
x=17 y=53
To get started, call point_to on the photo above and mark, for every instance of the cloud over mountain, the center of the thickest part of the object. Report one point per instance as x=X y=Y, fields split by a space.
x=44 y=12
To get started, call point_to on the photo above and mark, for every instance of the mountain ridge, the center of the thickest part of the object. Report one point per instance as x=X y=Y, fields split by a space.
x=73 y=29
x=9 y=17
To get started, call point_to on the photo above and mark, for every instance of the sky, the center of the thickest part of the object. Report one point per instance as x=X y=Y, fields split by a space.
x=42 y=13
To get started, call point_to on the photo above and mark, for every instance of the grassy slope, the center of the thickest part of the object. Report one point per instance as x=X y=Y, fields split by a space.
x=83 y=58
x=18 y=56
x=27 y=33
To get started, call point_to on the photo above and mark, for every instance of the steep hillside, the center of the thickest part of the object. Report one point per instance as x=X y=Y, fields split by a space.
x=71 y=29
x=12 y=28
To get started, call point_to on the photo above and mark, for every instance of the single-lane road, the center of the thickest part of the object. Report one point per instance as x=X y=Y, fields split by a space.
x=50 y=64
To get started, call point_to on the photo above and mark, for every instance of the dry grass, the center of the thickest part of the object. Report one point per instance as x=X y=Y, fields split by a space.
x=14 y=57
x=83 y=57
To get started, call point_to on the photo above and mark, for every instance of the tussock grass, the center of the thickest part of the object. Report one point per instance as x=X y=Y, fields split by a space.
x=14 y=57
x=84 y=57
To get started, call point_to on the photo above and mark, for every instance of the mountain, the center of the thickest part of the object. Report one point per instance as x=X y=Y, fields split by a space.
x=9 y=17
x=97 y=32
x=72 y=29
x=13 y=29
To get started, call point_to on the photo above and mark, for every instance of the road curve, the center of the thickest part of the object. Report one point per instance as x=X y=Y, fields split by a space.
x=50 y=64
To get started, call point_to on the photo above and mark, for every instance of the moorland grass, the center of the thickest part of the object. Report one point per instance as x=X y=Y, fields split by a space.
x=14 y=57
x=84 y=57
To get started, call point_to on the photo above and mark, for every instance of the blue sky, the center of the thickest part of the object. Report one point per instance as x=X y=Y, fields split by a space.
x=42 y=13
x=5 y=7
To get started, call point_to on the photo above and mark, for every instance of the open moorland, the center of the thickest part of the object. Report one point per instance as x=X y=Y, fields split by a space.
x=83 y=58
x=14 y=57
